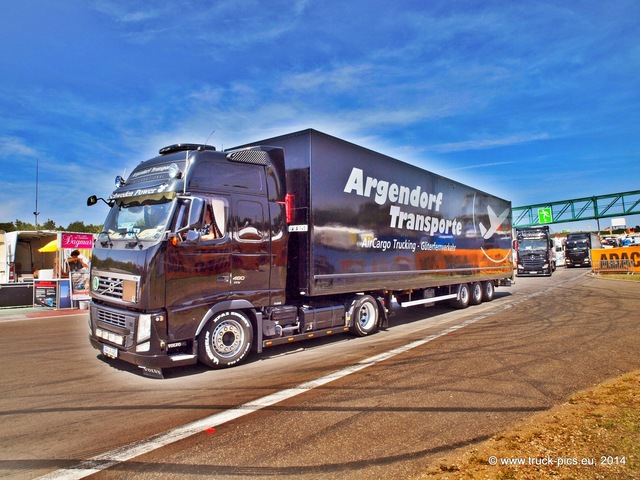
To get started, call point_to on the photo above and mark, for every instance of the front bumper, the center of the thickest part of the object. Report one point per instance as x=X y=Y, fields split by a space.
x=137 y=338
x=578 y=263
x=141 y=360
x=534 y=271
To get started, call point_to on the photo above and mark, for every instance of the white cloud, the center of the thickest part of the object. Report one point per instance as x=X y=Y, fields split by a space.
x=344 y=77
x=483 y=143
x=227 y=24
x=11 y=147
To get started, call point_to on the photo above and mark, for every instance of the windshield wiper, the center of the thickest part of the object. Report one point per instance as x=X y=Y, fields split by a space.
x=109 y=242
x=137 y=242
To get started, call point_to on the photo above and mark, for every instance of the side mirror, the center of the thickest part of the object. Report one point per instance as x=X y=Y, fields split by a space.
x=193 y=236
x=92 y=200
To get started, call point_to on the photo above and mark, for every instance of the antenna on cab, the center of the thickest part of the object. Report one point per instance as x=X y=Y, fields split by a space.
x=212 y=132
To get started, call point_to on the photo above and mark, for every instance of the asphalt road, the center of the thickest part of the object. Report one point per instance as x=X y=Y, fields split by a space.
x=537 y=343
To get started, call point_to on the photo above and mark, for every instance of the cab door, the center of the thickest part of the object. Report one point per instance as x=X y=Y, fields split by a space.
x=251 y=255
x=198 y=266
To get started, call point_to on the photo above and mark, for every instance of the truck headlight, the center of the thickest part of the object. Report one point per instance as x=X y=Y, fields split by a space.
x=144 y=328
x=144 y=325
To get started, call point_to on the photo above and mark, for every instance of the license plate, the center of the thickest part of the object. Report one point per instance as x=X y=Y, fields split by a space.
x=110 y=351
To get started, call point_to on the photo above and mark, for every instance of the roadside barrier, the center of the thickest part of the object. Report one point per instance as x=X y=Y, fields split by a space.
x=616 y=260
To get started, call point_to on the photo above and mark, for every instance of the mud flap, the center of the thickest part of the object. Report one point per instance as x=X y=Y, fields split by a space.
x=383 y=317
x=153 y=372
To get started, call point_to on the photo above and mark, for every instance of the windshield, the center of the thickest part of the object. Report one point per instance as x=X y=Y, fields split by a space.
x=532 y=244
x=144 y=219
x=577 y=244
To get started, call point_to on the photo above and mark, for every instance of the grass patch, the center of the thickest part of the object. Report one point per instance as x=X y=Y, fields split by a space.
x=594 y=435
x=619 y=276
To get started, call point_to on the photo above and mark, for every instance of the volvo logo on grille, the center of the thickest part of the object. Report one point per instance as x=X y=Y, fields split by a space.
x=106 y=286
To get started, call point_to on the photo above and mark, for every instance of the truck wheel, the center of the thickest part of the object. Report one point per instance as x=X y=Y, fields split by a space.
x=225 y=340
x=488 y=291
x=464 y=297
x=364 y=316
x=476 y=294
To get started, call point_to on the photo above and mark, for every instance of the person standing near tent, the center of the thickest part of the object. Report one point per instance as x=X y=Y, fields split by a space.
x=75 y=262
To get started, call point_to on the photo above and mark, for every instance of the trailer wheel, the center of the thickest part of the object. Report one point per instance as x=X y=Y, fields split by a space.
x=364 y=316
x=464 y=296
x=476 y=294
x=488 y=291
x=226 y=340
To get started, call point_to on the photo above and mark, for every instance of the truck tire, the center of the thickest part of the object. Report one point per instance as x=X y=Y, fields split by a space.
x=464 y=296
x=476 y=294
x=364 y=316
x=488 y=291
x=225 y=340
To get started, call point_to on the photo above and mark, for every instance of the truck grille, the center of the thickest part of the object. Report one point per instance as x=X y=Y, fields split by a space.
x=115 y=286
x=112 y=318
x=532 y=261
x=114 y=326
x=109 y=287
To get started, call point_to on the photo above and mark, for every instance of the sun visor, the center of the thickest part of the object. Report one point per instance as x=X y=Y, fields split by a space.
x=145 y=199
x=160 y=180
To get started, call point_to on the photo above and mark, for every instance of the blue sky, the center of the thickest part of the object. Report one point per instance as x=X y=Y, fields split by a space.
x=531 y=101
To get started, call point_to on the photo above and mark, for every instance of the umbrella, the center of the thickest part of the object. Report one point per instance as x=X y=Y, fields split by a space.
x=52 y=246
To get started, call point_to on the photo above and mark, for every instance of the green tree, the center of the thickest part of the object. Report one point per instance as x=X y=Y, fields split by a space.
x=48 y=225
x=79 y=226
x=7 y=227
x=20 y=225
x=76 y=227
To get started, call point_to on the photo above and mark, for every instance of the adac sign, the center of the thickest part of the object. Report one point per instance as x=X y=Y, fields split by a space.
x=630 y=255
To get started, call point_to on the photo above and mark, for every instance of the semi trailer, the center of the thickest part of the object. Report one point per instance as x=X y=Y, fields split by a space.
x=208 y=255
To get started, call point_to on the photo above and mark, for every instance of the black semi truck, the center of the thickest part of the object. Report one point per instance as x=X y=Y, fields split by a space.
x=206 y=255
x=577 y=249
x=535 y=251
